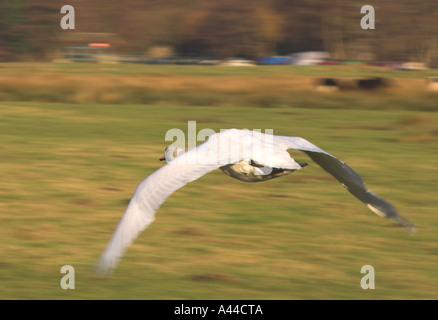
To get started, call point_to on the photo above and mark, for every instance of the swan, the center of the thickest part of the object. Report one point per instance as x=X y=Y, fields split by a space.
x=249 y=156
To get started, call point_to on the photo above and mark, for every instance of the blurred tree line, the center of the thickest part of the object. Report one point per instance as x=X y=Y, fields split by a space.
x=405 y=30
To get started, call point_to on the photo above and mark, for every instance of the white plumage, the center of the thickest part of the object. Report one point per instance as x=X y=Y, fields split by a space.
x=249 y=156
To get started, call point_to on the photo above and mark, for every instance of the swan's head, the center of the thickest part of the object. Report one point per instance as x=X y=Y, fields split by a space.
x=171 y=153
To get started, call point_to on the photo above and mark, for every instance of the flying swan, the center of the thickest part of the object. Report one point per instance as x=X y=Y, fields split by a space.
x=249 y=156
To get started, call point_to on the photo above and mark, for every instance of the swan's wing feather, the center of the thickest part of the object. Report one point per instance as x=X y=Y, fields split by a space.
x=349 y=178
x=151 y=193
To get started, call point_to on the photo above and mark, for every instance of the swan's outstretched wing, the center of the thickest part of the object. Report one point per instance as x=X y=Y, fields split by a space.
x=152 y=192
x=218 y=150
x=345 y=175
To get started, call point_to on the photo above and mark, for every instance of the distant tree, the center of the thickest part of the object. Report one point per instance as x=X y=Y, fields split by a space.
x=227 y=30
x=301 y=26
x=27 y=29
x=11 y=38
x=268 y=30
x=39 y=27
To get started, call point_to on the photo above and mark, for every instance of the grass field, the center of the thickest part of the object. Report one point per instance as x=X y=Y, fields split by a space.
x=71 y=157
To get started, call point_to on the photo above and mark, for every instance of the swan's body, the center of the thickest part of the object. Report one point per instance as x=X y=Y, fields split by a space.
x=248 y=172
x=249 y=156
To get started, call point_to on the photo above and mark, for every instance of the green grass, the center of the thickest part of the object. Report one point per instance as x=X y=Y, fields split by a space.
x=68 y=170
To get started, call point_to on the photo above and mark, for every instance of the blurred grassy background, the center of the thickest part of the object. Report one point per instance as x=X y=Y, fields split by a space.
x=76 y=139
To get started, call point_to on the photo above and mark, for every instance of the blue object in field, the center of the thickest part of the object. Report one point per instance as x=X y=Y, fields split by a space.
x=276 y=60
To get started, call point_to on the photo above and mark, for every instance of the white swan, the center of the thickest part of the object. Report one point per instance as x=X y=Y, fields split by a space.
x=246 y=155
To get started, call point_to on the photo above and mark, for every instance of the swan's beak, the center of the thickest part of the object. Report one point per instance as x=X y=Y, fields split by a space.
x=162 y=158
